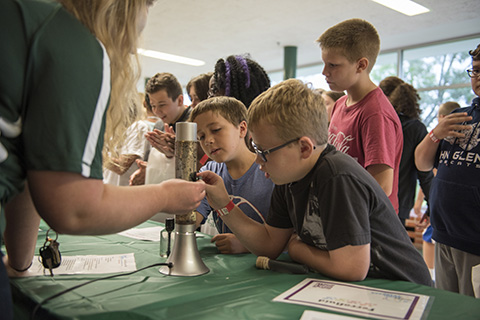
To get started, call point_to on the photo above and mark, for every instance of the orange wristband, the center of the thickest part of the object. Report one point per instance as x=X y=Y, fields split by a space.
x=204 y=159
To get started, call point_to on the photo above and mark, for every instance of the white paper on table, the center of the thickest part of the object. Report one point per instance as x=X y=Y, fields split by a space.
x=356 y=300
x=318 y=315
x=149 y=234
x=89 y=264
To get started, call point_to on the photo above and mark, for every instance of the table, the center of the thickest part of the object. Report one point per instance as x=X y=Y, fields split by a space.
x=233 y=289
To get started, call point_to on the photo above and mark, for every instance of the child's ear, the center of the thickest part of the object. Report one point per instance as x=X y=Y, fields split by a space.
x=306 y=147
x=362 y=64
x=180 y=100
x=243 y=129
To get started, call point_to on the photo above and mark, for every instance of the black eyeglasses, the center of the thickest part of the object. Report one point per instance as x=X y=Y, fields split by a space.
x=472 y=73
x=263 y=153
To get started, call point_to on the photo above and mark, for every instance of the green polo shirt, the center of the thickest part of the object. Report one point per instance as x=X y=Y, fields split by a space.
x=54 y=92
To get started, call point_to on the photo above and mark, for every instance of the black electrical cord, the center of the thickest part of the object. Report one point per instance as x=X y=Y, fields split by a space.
x=169 y=265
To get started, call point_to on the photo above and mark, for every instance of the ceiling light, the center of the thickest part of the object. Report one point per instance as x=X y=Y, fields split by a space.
x=170 y=57
x=406 y=7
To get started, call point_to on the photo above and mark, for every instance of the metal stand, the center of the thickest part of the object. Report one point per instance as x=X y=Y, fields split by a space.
x=185 y=257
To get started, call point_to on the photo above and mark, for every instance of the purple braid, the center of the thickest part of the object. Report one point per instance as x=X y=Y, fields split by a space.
x=243 y=62
x=228 y=78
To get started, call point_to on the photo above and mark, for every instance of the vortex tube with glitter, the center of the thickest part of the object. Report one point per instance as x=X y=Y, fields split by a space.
x=185 y=256
x=185 y=160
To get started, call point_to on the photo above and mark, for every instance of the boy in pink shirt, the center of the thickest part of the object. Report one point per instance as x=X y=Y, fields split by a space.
x=364 y=124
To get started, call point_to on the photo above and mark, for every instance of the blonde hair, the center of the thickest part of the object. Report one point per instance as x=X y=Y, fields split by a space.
x=294 y=109
x=447 y=107
x=355 y=38
x=114 y=23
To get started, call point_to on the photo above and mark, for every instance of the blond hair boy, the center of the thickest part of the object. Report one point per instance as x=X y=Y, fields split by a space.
x=446 y=108
x=325 y=208
x=363 y=123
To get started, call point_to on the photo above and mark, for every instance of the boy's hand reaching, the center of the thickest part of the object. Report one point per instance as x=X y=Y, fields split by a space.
x=227 y=243
x=217 y=195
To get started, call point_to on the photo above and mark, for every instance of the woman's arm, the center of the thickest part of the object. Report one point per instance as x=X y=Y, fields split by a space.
x=72 y=204
x=21 y=232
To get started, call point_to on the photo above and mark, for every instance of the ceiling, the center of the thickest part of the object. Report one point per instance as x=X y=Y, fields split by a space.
x=211 y=29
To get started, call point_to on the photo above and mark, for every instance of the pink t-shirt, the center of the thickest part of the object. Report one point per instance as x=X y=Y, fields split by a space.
x=370 y=132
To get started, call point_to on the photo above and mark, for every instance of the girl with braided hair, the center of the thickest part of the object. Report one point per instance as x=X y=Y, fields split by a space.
x=240 y=77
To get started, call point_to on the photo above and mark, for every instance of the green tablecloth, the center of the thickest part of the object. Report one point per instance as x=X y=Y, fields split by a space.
x=233 y=289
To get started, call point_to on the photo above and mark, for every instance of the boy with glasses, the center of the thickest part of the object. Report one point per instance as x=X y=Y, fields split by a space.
x=326 y=209
x=453 y=148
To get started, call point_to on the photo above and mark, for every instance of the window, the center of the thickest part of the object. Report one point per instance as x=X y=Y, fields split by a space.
x=385 y=66
x=437 y=71
x=313 y=74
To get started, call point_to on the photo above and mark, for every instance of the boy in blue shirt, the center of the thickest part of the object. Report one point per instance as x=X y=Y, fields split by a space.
x=453 y=148
x=222 y=133
x=326 y=209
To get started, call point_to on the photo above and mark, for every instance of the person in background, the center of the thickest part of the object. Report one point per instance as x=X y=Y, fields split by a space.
x=446 y=108
x=453 y=148
x=325 y=209
x=53 y=134
x=404 y=98
x=240 y=77
x=135 y=147
x=165 y=95
x=222 y=132
x=330 y=97
x=364 y=124
x=197 y=88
